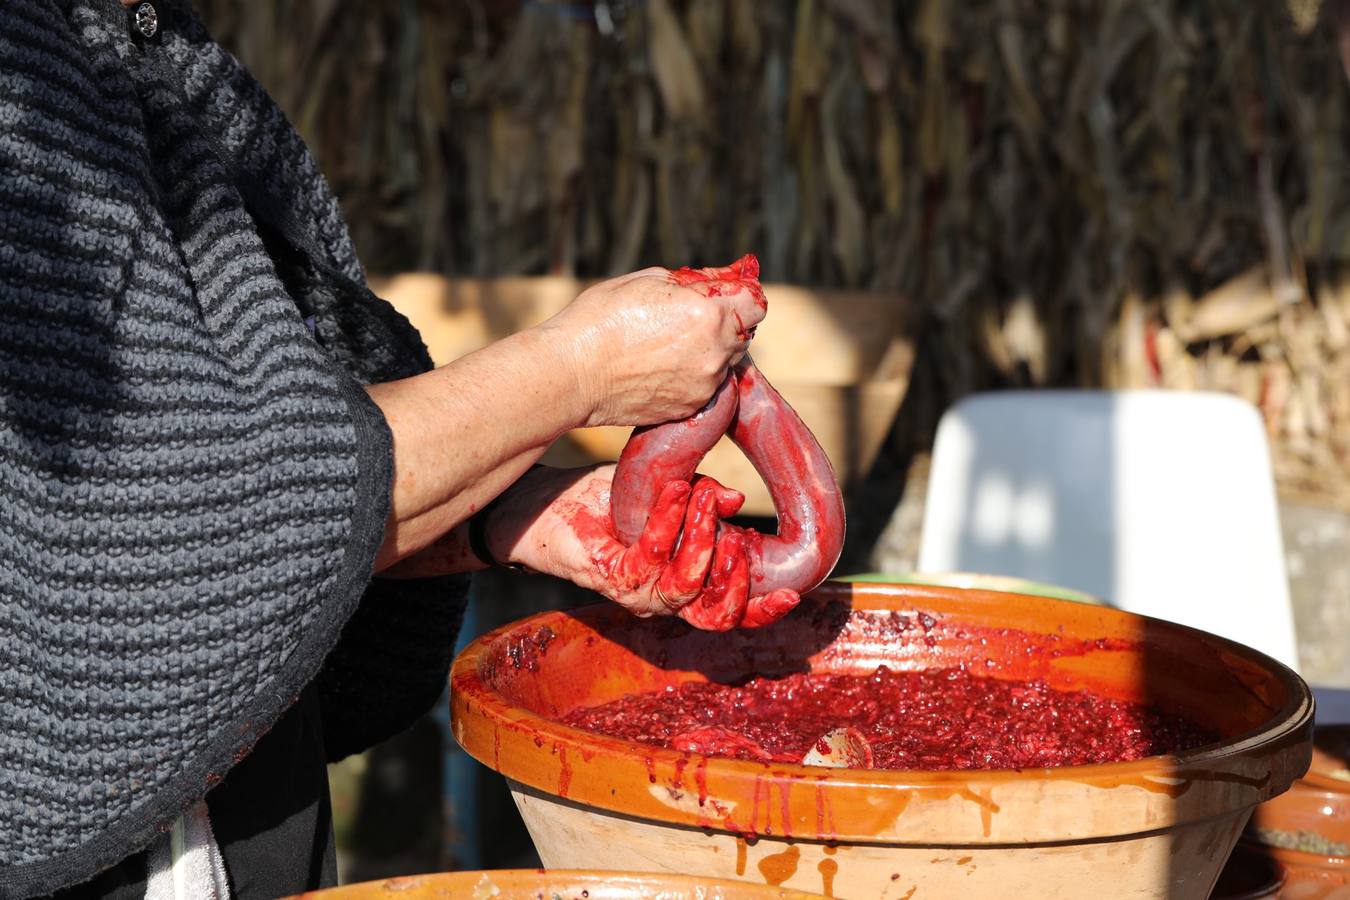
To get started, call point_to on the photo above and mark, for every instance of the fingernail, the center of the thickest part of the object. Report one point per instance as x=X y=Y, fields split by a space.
x=730 y=502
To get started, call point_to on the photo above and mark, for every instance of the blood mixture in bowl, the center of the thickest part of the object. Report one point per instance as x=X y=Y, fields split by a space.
x=931 y=719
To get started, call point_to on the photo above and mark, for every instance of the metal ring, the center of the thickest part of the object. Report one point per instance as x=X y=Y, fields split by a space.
x=656 y=586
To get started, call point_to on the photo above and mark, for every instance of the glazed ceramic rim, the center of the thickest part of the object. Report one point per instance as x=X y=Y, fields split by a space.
x=556 y=879
x=1316 y=782
x=1320 y=781
x=478 y=712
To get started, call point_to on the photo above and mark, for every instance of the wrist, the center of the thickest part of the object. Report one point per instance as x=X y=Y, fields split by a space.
x=536 y=526
x=576 y=357
x=507 y=527
x=476 y=533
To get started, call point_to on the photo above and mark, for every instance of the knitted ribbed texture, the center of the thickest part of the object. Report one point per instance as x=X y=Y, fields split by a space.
x=192 y=483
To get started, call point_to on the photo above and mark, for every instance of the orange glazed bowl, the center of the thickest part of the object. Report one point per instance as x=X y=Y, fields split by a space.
x=1155 y=827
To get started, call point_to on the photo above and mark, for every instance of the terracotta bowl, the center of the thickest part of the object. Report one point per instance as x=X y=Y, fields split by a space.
x=1158 y=827
x=1317 y=803
x=542 y=884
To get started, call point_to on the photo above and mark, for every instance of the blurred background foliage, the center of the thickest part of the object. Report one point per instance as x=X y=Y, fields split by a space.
x=1069 y=192
x=1120 y=193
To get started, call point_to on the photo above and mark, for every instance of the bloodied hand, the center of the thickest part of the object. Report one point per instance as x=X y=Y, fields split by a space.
x=558 y=521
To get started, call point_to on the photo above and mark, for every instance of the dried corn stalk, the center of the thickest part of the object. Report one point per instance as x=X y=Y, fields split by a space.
x=1072 y=192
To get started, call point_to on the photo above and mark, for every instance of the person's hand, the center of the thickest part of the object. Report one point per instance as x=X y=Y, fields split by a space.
x=557 y=521
x=653 y=346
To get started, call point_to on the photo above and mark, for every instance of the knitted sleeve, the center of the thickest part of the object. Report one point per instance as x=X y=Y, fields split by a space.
x=194 y=487
x=393 y=659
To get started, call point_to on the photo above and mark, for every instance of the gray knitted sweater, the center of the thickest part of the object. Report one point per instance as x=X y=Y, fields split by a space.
x=193 y=484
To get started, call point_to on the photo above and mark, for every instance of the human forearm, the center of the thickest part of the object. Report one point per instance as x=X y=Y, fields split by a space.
x=453 y=551
x=638 y=349
x=447 y=551
x=465 y=431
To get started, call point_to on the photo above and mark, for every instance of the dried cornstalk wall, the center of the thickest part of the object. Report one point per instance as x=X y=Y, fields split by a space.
x=1072 y=192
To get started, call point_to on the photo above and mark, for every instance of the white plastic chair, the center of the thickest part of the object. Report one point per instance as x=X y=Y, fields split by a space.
x=1159 y=502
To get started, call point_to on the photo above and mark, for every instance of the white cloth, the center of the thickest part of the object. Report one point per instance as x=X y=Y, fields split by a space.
x=185 y=864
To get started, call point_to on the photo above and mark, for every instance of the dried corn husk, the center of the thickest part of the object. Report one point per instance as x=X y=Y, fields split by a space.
x=1236 y=305
x=1071 y=192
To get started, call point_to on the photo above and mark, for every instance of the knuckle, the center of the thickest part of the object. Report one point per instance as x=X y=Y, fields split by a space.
x=702 y=315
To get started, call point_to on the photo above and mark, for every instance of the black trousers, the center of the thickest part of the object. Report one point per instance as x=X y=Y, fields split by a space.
x=271 y=818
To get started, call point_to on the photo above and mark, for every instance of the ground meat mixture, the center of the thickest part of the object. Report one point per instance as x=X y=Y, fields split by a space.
x=933 y=719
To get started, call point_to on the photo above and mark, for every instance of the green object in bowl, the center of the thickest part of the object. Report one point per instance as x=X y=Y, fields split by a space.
x=1005 y=583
